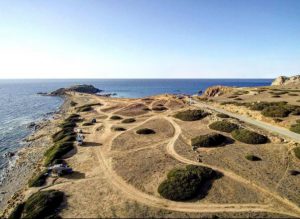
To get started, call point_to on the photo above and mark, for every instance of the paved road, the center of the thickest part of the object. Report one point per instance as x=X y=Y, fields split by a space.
x=266 y=126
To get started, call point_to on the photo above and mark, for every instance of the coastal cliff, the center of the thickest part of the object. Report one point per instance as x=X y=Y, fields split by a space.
x=284 y=80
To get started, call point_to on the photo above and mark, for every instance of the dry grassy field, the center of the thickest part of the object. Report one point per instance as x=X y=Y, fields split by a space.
x=122 y=163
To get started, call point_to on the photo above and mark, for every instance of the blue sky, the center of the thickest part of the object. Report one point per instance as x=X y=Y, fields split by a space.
x=149 y=39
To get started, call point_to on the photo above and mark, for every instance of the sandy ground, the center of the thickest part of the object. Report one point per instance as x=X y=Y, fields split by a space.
x=117 y=173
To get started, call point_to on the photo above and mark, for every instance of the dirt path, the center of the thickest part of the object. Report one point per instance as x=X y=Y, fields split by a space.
x=131 y=192
x=172 y=152
x=104 y=154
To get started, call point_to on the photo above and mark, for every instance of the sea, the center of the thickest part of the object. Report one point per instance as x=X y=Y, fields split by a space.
x=20 y=104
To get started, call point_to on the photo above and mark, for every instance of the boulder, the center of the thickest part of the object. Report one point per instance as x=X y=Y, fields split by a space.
x=283 y=80
x=218 y=90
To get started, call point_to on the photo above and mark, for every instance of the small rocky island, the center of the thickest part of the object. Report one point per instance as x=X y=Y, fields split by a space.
x=84 y=88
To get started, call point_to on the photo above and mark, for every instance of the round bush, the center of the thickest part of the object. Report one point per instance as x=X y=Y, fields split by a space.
x=222 y=115
x=185 y=184
x=295 y=128
x=159 y=108
x=223 y=126
x=191 y=115
x=252 y=157
x=118 y=129
x=145 y=131
x=249 y=137
x=209 y=140
x=275 y=111
x=115 y=117
x=297 y=152
x=43 y=204
x=129 y=120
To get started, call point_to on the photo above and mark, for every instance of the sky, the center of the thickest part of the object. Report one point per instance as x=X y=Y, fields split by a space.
x=149 y=38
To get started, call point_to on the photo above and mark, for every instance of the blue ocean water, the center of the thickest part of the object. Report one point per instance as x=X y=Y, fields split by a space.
x=20 y=105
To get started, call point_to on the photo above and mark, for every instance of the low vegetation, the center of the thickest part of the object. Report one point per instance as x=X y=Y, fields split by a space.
x=185 y=184
x=274 y=111
x=191 y=115
x=115 y=117
x=297 y=152
x=39 y=179
x=223 y=126
x=145 y=131
x=118 y=129
x=159 y=108
x=42 y=204
x=249 y=137
x=87 y=124
x=129 y=120
x=57 y=151
x=222 y=115
x=270 y=109
x=295 y=128
x=17 y=211
x=252 y=157
x=209 y=140
x=72 y=103
x=87 y=107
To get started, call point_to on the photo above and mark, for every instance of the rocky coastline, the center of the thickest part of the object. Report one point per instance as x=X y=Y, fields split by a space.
x=28 y=159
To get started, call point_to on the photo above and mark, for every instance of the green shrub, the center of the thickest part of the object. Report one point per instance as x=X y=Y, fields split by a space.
x=84 y=109
x=252 y=158
x=222 y=115
x=87 y=124
x=209 y=140
x=185 y=184
x=72 y=103
x=145 y=131
x=66 y=132
x=276 y=96
x=159 y=108
x=223 y=126
x=295 y=128
x=129 y=120
x=249 y=137
x=191 y=115
x=297 y=152
x=233 y=96
x=87 y=107
x=57 y=151
x=118 y=129
x=39 y=179
x=274 y=111
x=293 y=95
x=115 y=117
x=43 y=204
x=67 y=124
x=17 y=212
x=238 y=98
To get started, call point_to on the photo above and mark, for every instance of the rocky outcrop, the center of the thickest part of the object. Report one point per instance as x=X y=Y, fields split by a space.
x=283 y=80
x=218 y=90
x=89 y=89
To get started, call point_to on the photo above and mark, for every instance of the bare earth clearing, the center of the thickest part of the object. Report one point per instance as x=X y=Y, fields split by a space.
x=117 y=173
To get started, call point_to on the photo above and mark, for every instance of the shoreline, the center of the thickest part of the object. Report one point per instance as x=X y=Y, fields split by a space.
x=28 y=158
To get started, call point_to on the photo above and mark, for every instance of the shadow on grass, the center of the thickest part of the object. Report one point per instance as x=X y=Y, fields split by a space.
x=206 y=186
x=91 y=144
x=75 y=175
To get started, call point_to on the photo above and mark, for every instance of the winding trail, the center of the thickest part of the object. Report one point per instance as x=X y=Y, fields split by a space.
x=104 y=157
x=232 y=175
x=131 y=192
